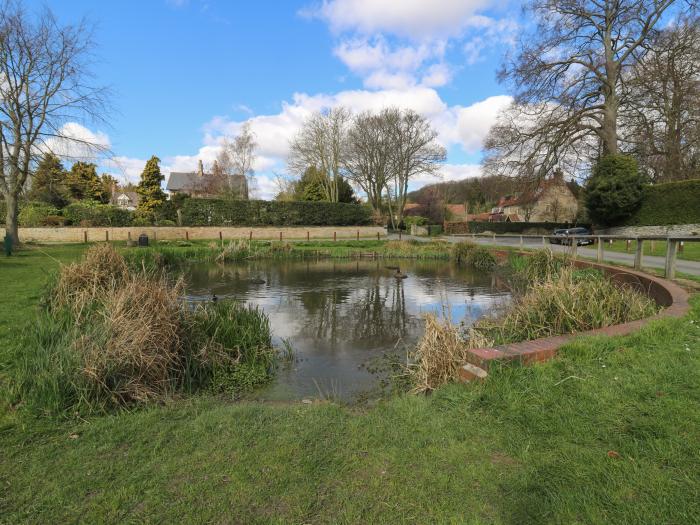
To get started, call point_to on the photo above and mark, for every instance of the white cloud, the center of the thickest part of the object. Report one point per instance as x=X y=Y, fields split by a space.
x=74 y=141
x=408 y=18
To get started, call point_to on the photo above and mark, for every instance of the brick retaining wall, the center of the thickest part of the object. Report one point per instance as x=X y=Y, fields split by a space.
x=671 y=297
x=77 y=234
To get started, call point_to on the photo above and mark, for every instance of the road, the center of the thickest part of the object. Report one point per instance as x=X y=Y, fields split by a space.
x=649 y=261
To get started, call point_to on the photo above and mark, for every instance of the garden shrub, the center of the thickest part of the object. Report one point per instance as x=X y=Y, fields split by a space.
x=35 y=213
x=91 y=213
x=614 y=190
x=218 y=212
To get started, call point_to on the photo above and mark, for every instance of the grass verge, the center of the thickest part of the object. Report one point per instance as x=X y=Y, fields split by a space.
x=605 y=433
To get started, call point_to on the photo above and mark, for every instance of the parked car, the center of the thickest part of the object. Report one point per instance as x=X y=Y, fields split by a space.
x=562 y=236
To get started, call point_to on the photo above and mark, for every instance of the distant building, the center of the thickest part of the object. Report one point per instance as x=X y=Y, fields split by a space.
x=207 y=185
x=127 y=200
x=552 y=201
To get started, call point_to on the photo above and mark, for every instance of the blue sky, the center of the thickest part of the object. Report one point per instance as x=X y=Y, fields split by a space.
x=186 y=73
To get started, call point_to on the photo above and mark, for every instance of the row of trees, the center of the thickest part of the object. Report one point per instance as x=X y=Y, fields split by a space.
x=380 y=153
x=602 y=77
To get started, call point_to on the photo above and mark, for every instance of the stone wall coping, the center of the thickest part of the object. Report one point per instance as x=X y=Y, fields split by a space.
x=665 y=293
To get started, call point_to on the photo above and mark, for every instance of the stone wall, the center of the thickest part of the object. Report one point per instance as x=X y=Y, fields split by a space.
x=77 y=234
x=675 y=230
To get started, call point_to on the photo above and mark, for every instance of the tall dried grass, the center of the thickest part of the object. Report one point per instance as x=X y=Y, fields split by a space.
x=112 y=337
x=440 y=353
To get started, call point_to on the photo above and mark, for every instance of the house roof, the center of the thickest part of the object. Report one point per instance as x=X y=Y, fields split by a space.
x=189 y=181
x=532 y=195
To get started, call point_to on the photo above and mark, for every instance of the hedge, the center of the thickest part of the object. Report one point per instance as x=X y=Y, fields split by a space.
x=37 y=214
x=668 y=203
x=215 y=212
x=516 y=227
x=94 y=214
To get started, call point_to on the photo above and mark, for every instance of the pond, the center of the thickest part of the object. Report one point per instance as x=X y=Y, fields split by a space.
x=340 y=315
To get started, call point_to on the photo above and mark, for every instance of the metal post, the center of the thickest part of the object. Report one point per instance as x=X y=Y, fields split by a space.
x=494 y=238
x=638 y=254
x=671 y=251
x=627 y=245
x=600 y=255
x=544 y=242
x=521 y=241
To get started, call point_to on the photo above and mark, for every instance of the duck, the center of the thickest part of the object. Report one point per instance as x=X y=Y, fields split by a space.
x=400 y=275
x=257 y=280
x=214 y=298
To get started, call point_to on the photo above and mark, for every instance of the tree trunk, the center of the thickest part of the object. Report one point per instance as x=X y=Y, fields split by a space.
x=11 y=226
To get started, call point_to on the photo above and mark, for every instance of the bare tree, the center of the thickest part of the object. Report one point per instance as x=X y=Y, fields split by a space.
x=321 y=143
x=662 y=117
x=237 y=157
x=567 y=79
x=414 y=151
x=367 y=156
x=44 y=84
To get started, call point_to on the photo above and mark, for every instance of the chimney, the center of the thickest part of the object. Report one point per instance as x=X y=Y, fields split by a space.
x=200 y=168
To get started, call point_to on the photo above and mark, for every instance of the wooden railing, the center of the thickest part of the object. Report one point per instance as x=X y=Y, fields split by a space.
x=672 y=245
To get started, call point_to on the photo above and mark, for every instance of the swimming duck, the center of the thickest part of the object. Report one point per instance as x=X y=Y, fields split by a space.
x=400 y=275
x=257 y=281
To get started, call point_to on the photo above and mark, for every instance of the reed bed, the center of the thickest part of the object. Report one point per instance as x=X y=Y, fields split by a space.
x=473 y=255
x=113 y=337
x=559 y=299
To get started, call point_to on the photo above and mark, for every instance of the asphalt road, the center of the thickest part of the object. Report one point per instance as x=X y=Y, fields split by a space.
x=649 y=261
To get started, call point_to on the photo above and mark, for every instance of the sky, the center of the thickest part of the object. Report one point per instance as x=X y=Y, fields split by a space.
x=184 y=74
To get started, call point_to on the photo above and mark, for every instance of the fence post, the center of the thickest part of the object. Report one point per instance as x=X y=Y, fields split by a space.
x=494 y=238
x=521 y=241
x=106 y=235
x=627 y=245
x=187 y=235
x=250 y=236
x=574 y=248
x=85 y=236
x=334 y=236
x=671 y=251
x=377 y=235
x=358 y=235
x=307 y=235
x=599 y=254
x=544 y=242
x=280 y=236
x=680 y=246
x=399 y=234
x=638 y=254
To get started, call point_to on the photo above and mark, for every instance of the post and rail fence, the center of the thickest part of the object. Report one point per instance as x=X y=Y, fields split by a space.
x=673 y=245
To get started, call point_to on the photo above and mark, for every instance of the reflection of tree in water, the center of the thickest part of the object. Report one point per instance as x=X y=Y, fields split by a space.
x=376 y=315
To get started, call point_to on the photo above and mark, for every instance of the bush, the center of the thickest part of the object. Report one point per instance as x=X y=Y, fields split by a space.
x=410 y=220
x=614 y=191
x=166 y=222
x=90 y=213
x=216 y=212
x=669 y=203
x=35 y=213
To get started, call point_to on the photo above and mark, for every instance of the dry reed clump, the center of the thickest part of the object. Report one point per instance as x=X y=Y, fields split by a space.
x=80 y=283
x=568 y=301
x=140 y=350
x=440 y=353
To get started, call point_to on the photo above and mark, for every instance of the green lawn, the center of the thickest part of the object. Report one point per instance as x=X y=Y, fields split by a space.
x=606 y=433
x=690 y=250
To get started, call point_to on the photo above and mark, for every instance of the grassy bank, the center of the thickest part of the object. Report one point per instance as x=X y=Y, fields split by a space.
x=606 y=433
x=690 y=251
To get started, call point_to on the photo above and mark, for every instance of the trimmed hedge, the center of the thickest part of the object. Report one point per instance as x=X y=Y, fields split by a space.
x=517 y=227
x=668 y=203
x=36 y=214
x=94 y=214
x=216 y=212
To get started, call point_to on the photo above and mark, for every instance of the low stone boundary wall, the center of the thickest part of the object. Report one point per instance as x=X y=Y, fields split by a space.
x=674 y=230
x=78 y=234
x=665 y=293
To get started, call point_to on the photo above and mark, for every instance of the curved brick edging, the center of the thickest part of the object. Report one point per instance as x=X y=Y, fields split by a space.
x=665 y=293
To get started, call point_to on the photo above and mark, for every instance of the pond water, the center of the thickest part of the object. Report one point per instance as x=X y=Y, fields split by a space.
x=339 y=315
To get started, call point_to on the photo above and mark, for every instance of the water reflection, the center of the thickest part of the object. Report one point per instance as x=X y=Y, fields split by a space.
x=337 y=314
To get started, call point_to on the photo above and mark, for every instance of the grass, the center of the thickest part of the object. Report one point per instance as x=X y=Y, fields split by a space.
x=605 y=433
x=691 y=250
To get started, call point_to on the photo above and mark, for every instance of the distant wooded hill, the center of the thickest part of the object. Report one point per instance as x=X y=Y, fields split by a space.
x=481 y=193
